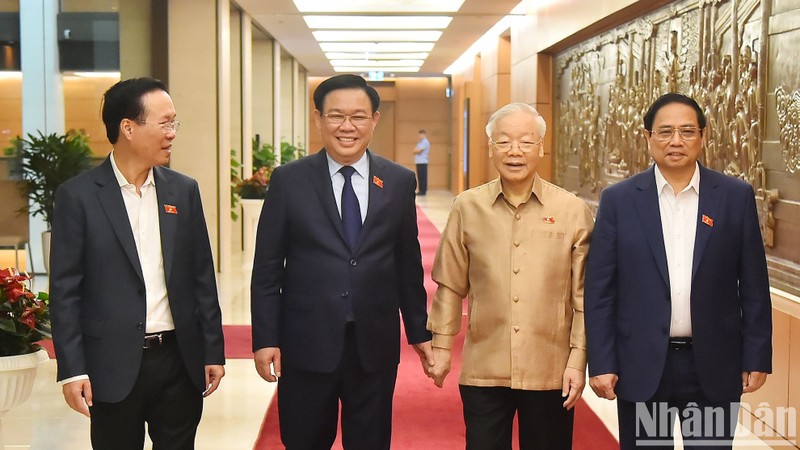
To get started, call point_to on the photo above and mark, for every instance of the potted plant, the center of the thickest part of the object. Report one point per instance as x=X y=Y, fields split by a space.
x=24 y=321
x=46 y=161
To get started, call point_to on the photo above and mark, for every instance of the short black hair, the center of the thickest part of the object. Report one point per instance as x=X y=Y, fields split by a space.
x=673 y=97
x=345 y=81
x=124 y=101
x=422 y=131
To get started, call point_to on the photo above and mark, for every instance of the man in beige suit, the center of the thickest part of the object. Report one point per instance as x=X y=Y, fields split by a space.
x=515 y=247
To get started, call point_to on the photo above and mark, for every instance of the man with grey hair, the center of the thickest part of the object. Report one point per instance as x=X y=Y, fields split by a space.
x=515 y=248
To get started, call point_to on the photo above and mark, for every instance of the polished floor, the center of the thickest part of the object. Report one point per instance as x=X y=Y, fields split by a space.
x=233 y=415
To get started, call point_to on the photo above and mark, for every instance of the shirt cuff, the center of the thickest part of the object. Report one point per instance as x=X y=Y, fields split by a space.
x=577 y=359
x=442 y=341
x=71 y=379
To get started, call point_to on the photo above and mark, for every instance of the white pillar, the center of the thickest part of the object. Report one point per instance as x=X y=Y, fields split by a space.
x=276 y=100
x=224 y=133
x=42 y=93
x=247 y=94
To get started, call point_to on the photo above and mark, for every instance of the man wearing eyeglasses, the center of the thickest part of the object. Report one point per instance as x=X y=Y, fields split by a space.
x=336 y=260
x=136 y=321
x=678 y=313
x=515 y=248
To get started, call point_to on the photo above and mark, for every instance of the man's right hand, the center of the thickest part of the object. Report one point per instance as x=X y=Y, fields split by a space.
x=441 y=367
x=78 y=395
x=603 y=385
x=266 y=357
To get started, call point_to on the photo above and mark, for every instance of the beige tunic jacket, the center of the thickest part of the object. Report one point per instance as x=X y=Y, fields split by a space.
x=521 y=270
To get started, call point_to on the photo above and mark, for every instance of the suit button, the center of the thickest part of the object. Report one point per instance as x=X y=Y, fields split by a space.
x=345 y=293
x=140 y=326
x=516 y=269
x=516 y=328
x=353 y=262
x=518 y=216
x=516 y=299
x=516 y=243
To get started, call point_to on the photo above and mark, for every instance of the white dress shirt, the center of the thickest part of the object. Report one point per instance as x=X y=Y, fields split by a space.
x=143 y=217
x=359 y=179
x=679 y=225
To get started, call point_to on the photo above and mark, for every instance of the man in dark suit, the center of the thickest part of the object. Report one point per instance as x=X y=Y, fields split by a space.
x=336 y=257
x=677 y=306
x=136 y=321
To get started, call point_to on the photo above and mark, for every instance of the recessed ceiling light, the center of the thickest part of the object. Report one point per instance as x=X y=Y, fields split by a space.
x=369 y=69
x=378 y=22
x=377 y=63
x=377 y=36
x=376 y=47
x=378 y=6
x=370 y=55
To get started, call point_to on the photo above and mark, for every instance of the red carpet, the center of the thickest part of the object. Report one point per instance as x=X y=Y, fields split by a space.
x=238 y=342
x=429 y=418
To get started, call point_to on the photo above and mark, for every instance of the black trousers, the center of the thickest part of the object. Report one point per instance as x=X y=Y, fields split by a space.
x=422 y=178
x=308 y=405
x=489 y=417
x=163 y=396
x=710 y=424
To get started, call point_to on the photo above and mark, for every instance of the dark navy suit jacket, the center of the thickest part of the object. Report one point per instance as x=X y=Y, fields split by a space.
x=97 y=290
x=304 y=271
x=627 y=293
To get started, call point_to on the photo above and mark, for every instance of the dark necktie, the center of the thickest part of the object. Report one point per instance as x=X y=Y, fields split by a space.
x=351 y=212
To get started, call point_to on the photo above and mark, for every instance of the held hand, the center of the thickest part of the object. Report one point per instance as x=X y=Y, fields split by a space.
x=78 y=395
x=214 y=375
x=603 y=385
x=425 y=353
x=752 y=381
x=572 y=385
x=441 y=368
x=265 y=357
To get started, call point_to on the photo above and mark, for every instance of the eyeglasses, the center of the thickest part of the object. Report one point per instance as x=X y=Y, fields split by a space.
x=357 y=120
x=524 y=146
x=166 y=127
x=686 y=134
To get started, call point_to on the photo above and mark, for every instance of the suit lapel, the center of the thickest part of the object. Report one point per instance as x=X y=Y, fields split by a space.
x=707 y=206
x=167 y=221
x=377 y=197
x=321 y=179
x=110 y=199
x=647 y=206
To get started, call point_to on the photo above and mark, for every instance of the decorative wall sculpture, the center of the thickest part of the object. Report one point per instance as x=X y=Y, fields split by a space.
x=712 y=50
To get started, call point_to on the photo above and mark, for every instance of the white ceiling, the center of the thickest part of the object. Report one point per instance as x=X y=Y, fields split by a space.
x=282 y=20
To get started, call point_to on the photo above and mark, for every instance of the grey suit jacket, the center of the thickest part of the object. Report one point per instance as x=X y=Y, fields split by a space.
x=97 y=290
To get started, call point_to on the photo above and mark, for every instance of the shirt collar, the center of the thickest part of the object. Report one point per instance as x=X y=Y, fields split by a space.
x=496 y=189
x=694 y=183
x=121 y=178
x=361 y=166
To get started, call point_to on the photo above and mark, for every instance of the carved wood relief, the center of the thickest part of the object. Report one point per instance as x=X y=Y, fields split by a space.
x=715 y=51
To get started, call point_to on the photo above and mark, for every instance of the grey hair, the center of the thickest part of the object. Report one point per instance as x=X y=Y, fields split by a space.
x=541 y=126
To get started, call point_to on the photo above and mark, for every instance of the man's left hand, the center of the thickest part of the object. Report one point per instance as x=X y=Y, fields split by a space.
x=752 y=381
x=572 y=385
x=213 y=376
x=425 y=353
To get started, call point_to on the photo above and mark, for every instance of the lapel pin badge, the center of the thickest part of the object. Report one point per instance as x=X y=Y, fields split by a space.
x=170 y=209
x=707 y=220
x=377 y=181
x=548 y=219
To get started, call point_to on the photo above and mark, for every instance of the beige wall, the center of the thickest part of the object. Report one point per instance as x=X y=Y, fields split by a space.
x=10 y=109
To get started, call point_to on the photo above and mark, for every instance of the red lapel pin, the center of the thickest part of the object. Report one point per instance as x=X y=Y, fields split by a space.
x=170 y=209
x=377 y=181
x=707 y=220
x=549 y=219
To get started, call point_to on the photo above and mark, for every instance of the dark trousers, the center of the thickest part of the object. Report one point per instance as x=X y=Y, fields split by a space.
x=422 y=178
x=308 y=405
x=163 y=396
x=489 y=416
x=650 y=424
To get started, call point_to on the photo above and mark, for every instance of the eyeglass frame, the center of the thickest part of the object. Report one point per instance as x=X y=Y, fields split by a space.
x=166 y=127
x=356 y=122
x=519 y=145
x=680 y=130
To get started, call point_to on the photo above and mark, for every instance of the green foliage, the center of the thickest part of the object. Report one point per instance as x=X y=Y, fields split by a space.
x=46 y=162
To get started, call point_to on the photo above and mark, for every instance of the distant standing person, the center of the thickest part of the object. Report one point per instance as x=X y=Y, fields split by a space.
x=421 y=159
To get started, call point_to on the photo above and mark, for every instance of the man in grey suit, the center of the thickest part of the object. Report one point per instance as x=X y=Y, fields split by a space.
x=136 y=321
x=337 y=257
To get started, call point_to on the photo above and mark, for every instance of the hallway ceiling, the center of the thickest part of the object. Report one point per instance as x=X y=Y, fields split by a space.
x=282 y=20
